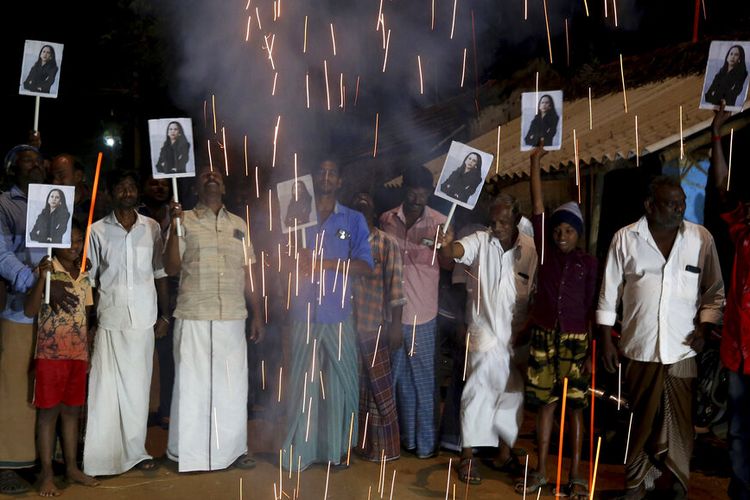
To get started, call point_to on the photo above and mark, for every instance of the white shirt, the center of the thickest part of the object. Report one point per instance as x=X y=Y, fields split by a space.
x=124 y=265
x=500 y=299
x=662 y=300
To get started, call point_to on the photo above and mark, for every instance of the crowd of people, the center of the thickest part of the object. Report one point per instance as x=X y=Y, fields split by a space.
x=365 y=314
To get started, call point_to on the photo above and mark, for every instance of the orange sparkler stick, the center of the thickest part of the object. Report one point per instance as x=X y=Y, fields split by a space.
x=333 y=40
x=270 y=212
x=682 y=142
x=226 y=159
x=349 y=448
x=93 y=205
x=463 y=69
x=257 y=183
x=247 y=30
x=377 y=343
x=549 y=39
x=328 y=91
x=210 y=158
x=596 y=467
x=244 y=148
x=614 y=9
x=729 y=166
x=387 y=44
x=497 y=153
x=356 y=91
x=567 y=43
x=562 y=431
x=307 y=89
x=624 y=94
x=421 y=81
x=637 y=146
x=593 y=399
x=375 y=144
x=275 y=77
x=275 y=137
x=453 y=21
x=213 y=107
x=341 y=90
x=304 y=42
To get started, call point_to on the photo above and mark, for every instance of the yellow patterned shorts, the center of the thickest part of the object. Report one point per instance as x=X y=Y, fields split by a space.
x=554 y=356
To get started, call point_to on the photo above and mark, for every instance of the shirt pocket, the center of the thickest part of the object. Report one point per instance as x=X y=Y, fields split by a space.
x=688 y=284
x=144 y=260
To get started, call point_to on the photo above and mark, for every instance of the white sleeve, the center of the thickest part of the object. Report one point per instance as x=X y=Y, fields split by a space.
x=612 y=282
x=471 y=246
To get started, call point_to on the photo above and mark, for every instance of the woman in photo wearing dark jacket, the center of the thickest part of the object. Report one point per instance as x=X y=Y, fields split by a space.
x=43 y=72
x=544 y=124
x=730 y=79
x=175 y=152
x=300 y=206
x=463 y=181
x=52 y=222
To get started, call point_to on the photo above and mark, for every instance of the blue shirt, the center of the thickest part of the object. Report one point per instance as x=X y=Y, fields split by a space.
x=16 y=261
x=345 y=236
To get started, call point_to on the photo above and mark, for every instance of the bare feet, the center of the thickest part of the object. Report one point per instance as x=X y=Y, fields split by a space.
x=76 y=476
x=47 y=487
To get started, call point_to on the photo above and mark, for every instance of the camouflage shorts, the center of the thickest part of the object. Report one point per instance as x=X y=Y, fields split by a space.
x=554 y=356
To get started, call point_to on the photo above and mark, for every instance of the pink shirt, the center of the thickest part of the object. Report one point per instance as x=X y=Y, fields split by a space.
x=421 y=274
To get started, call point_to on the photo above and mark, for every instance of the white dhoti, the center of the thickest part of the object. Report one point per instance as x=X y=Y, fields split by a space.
x=119 y=385
x=492 y=399
x=208 y=426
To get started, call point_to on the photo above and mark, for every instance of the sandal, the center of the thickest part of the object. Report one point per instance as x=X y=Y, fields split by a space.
x=511 y=466
x=577 y=489
x=534 y=482
x=12 y=484
x=244 y=462
x=468 y=472
x=147 y=465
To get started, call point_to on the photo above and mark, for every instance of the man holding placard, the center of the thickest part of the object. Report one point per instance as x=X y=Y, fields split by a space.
x=208 y=427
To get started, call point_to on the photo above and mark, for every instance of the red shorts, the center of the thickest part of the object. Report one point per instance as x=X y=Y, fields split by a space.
x=60 y=381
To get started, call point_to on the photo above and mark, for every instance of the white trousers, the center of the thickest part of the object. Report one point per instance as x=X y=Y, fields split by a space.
x=492 y=399
x=208 y=420
x=119 y=385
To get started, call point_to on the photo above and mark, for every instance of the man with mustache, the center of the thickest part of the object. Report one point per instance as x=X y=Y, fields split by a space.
x=664 y=271
x=125 y=249
x=208 y=426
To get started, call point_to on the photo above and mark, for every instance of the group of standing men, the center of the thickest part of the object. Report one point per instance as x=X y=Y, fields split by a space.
x=362 y=367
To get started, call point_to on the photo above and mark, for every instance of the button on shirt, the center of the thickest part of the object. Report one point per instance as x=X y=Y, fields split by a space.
x=212 y=279
x=662 y=300
x=421 y=273
x=500 y=299
x=124 y=266
x=16 y=261
x=344 y=236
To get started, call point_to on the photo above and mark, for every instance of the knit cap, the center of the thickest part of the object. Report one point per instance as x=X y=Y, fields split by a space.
x=569 y=213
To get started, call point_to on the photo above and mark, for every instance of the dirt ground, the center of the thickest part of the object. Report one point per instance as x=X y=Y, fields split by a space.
x=405 y=479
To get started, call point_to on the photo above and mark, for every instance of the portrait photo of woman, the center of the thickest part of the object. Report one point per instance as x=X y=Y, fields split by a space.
x=464 y=180
x=464 y=171
x=300 y=206
x=728 y=82
x=541 y=119
x=544 y=124
x=40 y=68
x=171 y=147
x=175 y=152
x=52 y=223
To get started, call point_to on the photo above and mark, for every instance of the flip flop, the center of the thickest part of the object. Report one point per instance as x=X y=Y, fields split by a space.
x=577 y=489
x=534 y=482
x=468 y=472
x=12 y=484
x=244 y=462
x=147 y=465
